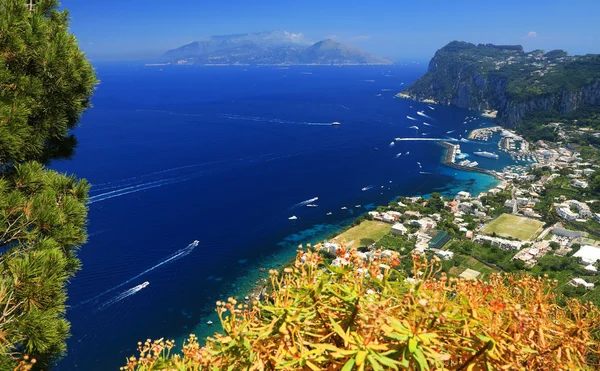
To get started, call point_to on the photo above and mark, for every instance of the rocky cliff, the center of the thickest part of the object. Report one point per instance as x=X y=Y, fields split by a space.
x=507 y=79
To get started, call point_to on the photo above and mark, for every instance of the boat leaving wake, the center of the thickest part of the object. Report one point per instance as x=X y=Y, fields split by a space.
x=177 y=255
x=451 y=131
x=123 y=295
x=411 y=118
x=367 y=188
x=304 y=203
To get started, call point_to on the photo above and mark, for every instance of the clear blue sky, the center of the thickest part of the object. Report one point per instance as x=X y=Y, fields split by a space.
x=138 y=29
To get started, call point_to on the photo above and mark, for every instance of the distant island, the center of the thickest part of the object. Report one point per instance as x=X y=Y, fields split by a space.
x=506 y=79
x=269 y=48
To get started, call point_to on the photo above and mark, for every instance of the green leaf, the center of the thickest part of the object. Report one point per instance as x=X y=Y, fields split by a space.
x=349 y=366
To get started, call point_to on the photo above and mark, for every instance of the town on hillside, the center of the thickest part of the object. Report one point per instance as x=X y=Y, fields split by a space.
x=542 y=218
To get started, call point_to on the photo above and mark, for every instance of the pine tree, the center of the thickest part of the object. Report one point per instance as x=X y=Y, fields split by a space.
x=45 y=85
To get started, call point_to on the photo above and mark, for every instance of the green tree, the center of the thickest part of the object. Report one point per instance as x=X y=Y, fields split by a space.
x=45 y=84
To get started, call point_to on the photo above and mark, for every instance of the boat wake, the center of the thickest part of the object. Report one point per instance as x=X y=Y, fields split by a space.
x=123 y=295
x=426 y=124
x=367 y=187
x=431 y=108
x=411 y=118
x=399 y=154
x=421 y=113
x=427 y=139
x=134 y=189
x=307 y=202
x=177 y=255
x=451 y=131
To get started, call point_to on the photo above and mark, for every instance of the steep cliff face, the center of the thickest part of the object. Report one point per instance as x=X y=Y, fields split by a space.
x=563 y=102
x=506 y=79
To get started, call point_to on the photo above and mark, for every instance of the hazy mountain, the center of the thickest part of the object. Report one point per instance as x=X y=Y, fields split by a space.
x=275 y=47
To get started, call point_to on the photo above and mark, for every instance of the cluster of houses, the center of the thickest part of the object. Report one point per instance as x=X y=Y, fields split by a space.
x=531 y=255
x=426 y=237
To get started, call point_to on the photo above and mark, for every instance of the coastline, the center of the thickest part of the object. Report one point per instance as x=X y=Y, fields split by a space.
x=251 y=285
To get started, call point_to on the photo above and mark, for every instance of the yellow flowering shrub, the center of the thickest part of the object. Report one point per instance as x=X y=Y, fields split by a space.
x=363 y=316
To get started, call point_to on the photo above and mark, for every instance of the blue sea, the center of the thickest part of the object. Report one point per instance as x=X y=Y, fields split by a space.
x=225 y=156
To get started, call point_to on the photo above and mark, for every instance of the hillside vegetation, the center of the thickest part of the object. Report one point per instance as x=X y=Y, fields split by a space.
x=45 y=85
x=364 y=315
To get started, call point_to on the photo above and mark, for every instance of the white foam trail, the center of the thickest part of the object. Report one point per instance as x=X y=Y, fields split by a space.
x=426 y=139
x=421 y=113
x=424 y=172
x=414 y=127
x=411 y=118
x=399 y=154
x=392 y=144
x=178 y=254
x=133 y=189
x=431 y=108
x=451 y=131
x=304 y=203
x=367 y=187
x=318 y=123
x=123 y=295
x=426 y=124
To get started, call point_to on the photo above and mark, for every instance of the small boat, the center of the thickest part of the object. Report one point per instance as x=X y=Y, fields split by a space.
x=329 y=213
x=344 y=208
x=407 y=153
x=336 y=123
x=195 y=243
x=293 y=217
x=357 y=206
x=209 y=322
x=144 y=284
x=311 y=205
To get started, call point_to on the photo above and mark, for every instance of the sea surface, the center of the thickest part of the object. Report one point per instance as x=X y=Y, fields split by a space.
x=225 y=156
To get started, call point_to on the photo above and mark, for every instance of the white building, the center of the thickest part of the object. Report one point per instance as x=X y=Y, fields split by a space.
x=445 y=254
x=462 y=195
x=566 y=213
x=581 y=282
x=589 y=254
x=399 y=229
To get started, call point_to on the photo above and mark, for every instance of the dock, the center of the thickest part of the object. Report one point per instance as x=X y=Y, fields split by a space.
x=449 y=161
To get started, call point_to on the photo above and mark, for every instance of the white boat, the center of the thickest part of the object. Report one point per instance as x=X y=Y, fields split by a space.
x=329 y=213
x=311 y=205
x=144 y=285
x=407 y=153
x=357 y=206
x=293 y=217
x=344 y=208
x=336 y=123
x=486 y=154
x=209 y=322
x=195 y=243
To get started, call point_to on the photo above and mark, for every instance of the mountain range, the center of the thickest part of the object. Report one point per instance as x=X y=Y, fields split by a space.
x=269 y=48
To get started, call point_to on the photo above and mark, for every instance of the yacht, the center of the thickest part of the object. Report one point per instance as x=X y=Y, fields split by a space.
x=336 y=123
